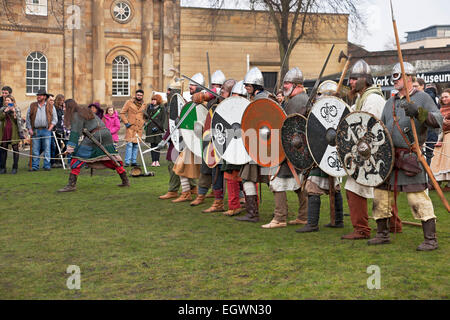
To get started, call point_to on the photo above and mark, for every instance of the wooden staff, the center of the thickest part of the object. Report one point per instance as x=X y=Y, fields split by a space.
x=416 y=146
x=30 y=162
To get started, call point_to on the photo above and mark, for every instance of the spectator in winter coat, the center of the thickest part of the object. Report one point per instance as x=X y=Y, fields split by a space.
x=112 y=122
x=97 y=110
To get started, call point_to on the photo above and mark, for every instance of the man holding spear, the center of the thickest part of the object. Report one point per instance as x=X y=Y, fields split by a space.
x=408 y=175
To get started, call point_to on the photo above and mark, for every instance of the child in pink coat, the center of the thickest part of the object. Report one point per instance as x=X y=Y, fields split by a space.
x=112 y=122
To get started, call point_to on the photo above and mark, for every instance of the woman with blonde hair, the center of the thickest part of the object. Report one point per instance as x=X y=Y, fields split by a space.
x=10 y=124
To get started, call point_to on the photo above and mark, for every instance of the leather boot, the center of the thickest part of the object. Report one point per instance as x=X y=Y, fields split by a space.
x=169 y=195
x=382 y=236
x=125 y=182
x=199 y=200
x=210 y=195
x=194 y=190
x=71 y=185
x=429 y=234
x=251 y=204
x=217 y=206
x=185 y=196
x=313 y=215
x=338 y=212
x=281 y=207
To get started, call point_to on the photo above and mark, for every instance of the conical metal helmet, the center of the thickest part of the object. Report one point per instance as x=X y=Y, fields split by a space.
x=218 y=77
x=174 y=85
x=254 y=76
x=239 y=88
x=397 y=70
x=327 y=87
x=198 y=77
x=295 y=75
x=360 y=69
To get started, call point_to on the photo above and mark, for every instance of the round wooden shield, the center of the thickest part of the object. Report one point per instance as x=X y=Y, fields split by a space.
x=365 y=148
x=293 y=139
x=226 y=130
x=261 y=124
x=175 y=106
x=209 y=153
x=192 y=127
x=321 y=131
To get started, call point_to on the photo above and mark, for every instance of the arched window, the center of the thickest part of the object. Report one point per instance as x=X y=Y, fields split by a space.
x=36 y=72
x=120 y=77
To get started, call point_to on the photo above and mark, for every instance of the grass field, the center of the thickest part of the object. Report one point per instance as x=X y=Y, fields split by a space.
x=131 y=245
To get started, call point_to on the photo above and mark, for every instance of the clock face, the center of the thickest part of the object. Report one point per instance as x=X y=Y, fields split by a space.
x=121 y=11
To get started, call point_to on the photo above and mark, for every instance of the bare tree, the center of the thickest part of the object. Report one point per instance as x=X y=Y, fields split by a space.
x=11 y=9
x=294 y=19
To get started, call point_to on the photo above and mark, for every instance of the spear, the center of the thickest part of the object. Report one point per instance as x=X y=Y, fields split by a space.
x=416 y=146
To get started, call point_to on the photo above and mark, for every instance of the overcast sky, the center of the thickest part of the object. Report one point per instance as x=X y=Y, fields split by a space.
x=411 y=15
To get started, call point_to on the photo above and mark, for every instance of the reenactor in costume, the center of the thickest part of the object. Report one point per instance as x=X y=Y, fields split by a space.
x=231 y=171
x=318 y=184
x=408 y=175
x=172 y=154
x=251 y=174
x=98 y=150
x=216 y=172
x=187 y=166
x=296 y=101
x=205 y=180
x=369 y=99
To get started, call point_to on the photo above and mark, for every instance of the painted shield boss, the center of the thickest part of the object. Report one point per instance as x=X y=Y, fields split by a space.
x=321 y=131
x=293 y=139
x=365 y=148
x=261 y=124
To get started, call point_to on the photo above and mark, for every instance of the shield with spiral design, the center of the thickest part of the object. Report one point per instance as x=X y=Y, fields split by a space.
x=365 y=148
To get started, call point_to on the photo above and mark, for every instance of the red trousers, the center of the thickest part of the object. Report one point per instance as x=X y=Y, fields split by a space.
x=76 y=165
x=233 y=187
x=358 y=212
x=360 y=217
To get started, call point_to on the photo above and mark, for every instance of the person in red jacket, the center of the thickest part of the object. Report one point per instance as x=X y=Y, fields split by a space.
x=112 y=122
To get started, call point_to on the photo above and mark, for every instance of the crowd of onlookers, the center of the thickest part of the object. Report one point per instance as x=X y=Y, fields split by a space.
x=42 y=128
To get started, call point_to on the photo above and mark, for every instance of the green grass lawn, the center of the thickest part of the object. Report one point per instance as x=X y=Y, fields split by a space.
x=131 y=245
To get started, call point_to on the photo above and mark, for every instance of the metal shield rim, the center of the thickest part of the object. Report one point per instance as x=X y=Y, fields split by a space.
x=390 y=140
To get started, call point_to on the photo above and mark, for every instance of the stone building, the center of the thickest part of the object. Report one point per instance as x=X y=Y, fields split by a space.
x=104 y=50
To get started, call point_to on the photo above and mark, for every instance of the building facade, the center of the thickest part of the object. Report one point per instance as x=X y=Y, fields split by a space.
x=104 y=50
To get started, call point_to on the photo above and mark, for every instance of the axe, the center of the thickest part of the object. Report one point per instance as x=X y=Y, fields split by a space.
x=342 y=55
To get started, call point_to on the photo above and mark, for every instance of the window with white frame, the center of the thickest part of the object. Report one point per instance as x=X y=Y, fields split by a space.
x=36 y=7
x=120 y=77
x=36 y=72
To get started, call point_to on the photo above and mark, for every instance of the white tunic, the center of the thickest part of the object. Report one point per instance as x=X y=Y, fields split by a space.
x=374 y=104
